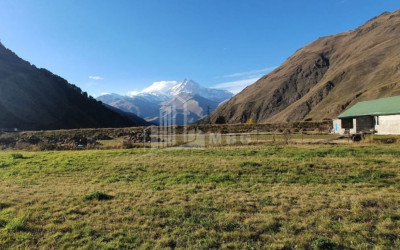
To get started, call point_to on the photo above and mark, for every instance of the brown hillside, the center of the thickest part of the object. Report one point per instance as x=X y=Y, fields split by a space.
x=325 y=77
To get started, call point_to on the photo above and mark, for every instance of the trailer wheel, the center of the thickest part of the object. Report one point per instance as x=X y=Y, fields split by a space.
x=356 y=138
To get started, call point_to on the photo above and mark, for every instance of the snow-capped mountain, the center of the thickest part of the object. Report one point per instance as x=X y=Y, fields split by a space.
x=162 y=88
x=191 y=87
x=168 y=89
x=148 y=102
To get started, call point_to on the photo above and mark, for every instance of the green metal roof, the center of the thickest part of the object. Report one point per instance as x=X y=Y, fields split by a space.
x=383 y=106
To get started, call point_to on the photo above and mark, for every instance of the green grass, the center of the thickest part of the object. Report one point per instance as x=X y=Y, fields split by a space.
x=306 y=197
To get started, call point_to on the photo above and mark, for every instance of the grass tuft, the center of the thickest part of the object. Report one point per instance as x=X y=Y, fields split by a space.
x=3 y=223
x=250 y=164
x=16 y=224
x=15 y=156
x=97 y=196
x=324 y=244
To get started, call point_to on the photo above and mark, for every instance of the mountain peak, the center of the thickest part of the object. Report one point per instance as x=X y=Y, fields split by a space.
x=167 y=89
x=186 y=86
x=188 y=81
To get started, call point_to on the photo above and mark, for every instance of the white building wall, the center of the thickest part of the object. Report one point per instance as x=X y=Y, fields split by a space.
x=337 y=127
x=354 y=129
x=388 y=125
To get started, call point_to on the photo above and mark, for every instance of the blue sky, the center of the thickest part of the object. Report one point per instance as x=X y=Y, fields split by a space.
x=121 y=46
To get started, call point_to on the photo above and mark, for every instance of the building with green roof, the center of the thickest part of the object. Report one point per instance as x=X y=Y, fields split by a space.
x=381 y=115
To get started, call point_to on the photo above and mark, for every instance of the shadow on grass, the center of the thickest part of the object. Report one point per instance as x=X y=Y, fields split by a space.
x=97 y=196
x=3 y=165
x=4 y=205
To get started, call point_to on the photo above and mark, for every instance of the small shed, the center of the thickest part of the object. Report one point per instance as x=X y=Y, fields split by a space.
x=381 y=115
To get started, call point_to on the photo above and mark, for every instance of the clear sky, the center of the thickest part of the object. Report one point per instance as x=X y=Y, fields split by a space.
x=120 y=46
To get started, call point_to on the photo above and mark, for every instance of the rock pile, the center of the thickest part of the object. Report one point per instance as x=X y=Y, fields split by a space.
x=135 y=136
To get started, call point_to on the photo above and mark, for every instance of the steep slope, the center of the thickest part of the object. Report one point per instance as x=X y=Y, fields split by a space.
x=325 y=77
x=136 y=120
x=138 y=105
x=36 y=99
x=188 y=94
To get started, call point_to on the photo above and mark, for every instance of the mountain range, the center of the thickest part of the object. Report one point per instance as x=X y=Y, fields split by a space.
x=190 y=100
x=324 y=78
x=36 y=99
x=317 y=82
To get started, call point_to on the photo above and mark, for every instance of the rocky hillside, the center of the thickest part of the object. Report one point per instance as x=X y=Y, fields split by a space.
x=325 y=77
x=36 y=99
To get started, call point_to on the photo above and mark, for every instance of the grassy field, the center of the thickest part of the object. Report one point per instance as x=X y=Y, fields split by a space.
x=252 y=197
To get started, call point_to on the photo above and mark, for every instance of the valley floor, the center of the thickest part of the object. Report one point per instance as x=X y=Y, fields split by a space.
x=299 y=196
